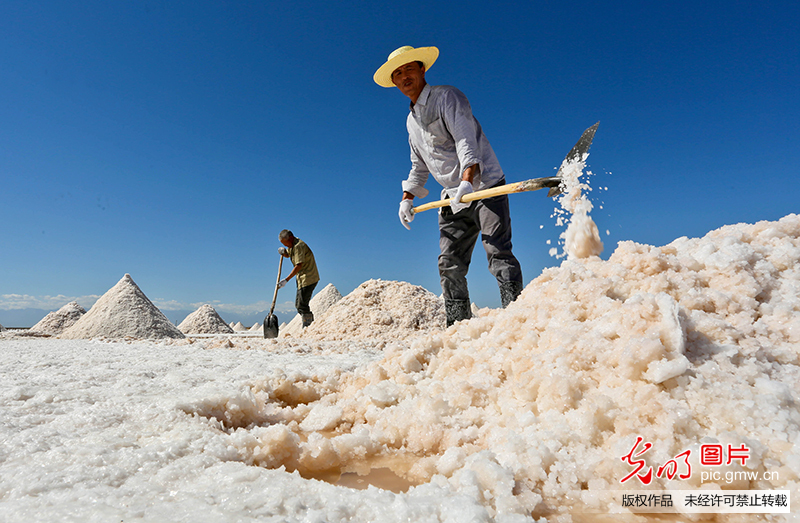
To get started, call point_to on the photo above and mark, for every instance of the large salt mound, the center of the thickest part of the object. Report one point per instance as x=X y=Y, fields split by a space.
x=204 y=320
x=532 y=409
x=319 y=304
x=380 y=309
x=58 y=321
x=123 y=311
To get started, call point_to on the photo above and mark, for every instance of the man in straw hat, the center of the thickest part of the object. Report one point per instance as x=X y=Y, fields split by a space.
x=448 y=142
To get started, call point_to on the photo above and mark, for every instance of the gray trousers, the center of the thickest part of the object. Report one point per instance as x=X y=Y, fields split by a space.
x=457 y=236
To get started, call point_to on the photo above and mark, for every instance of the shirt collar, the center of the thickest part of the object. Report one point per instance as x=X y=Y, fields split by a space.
x=423 y=96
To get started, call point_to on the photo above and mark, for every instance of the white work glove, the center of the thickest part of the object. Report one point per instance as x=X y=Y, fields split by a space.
x=406 y=212
x=282 y=283
x=464 y=188
x=283 y=252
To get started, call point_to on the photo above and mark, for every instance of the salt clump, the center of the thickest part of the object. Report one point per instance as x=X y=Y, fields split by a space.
x=205 y=320
x=58 y=321
x=380 y=309
x=531 y=409
x=319 y=304
x=123 y=311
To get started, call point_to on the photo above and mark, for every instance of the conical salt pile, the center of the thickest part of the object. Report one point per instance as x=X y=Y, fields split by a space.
x=123 y=311
x=380 y=309
x=239 y=327
x=204 y=320
x=58 y=321
x=319 y=305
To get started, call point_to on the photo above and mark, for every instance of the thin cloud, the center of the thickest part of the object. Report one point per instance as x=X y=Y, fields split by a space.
x=173 y=305
x=25 y=301
x=10 y=302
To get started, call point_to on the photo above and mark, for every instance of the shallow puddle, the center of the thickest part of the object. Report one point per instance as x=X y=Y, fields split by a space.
x=383 y=478
x=383 y=472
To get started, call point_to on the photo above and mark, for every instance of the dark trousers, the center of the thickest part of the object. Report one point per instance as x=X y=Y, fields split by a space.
x=303 y=299
x=457 y=236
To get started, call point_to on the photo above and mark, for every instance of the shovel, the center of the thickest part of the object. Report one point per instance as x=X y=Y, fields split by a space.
x=271 y=321
x=534 y=184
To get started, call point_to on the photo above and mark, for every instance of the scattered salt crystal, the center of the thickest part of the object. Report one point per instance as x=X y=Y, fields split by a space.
x=581 y=239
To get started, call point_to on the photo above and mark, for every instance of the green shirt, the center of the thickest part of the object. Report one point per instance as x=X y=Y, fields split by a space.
x=301 y=253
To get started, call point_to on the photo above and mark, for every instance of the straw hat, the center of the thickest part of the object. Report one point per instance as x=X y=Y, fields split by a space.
x=402 y=56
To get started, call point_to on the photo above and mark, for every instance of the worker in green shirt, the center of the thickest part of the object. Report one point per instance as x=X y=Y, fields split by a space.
x=305 y=268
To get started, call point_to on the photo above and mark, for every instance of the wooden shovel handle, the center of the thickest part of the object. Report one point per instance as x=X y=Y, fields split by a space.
x=578 y=152
x=275 y=296
x=533 y=184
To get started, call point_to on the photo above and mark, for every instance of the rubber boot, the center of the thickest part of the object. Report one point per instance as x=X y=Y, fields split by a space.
x=307 y=319
x=509 y=291
x=457 y=310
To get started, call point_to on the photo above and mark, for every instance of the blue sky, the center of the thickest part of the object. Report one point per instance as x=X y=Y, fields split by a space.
x=174 y=140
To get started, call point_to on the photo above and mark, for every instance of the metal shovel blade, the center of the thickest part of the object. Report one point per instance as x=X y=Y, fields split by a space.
x=271 y=321
x=271 y=327
x=578 y=152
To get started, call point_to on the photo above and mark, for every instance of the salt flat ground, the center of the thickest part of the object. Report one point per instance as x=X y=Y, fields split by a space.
x=94 y=431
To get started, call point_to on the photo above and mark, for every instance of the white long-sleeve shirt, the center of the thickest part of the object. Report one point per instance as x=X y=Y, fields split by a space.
x=445 y=139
